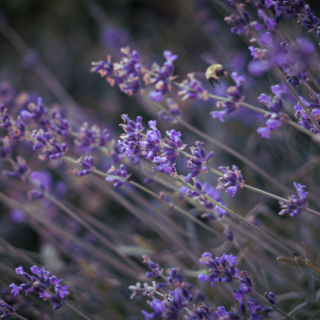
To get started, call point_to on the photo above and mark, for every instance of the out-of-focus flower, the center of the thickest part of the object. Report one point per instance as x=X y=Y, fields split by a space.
x=6 y=311
x=235 y=97
x=87 y=163
x=275 y=114
x=163 y=76
x=121 y=173
x=20 y=169
x=296 y=204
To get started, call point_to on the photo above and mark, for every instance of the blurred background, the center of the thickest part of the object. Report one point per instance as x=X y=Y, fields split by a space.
x=46 y=49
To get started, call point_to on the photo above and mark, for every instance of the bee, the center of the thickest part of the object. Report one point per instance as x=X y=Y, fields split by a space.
x=215 y=72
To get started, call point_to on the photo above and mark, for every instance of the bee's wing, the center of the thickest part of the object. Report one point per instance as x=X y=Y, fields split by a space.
x=200 y=75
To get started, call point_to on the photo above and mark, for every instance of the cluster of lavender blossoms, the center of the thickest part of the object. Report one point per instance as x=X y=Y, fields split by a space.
x=41 y=285
x=176 y=298
x=47 y=133
x=275 y=107
x=296 y=204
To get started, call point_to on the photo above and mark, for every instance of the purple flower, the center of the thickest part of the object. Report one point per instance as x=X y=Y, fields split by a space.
x=270 y=23
x=235 y=98
x=158 y=306
x=170 y=153
x=254 y=309
x=122 y=173
x=87 y=163
x=152 y=143
x=92 y=137
x=198 y=162
x=296 y=204
x=304 y=119
x=220 y=272
x=271 y=298
x=163 y=77
x=51 y=149
x=125 y=73
x=130 y=140
x=191 y=88
x=275 y=114
x=6 y=311
x=41 y=285
x=20 y=169
x=231 y=180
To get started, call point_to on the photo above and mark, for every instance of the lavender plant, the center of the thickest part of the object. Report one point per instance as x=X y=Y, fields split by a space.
x=198 y=178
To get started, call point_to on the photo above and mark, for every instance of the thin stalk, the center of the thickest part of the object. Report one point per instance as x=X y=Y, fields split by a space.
x=87 y=226
x=274 y=307
x=17 y=251
x=270 y=195
x=162 y=215
x=238 y=217
x=77 y=311
x=137 y=185
x=138 y=213
x=119 y=266
x=283 y=78
x=235 y=154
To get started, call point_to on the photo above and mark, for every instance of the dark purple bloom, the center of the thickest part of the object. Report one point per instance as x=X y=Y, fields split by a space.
x=58 y=123
x=130 y=140
x=192 y=88
x=51 y=149
x=271 y=298
x=152 y=143
x=92 y=137
x=20 y=169
x=231 y=180
x=6 y=311
x=115 y=173
x=304 y=119
x=270 y=23
x=275 y=107
x=254 y=308
x=235 y=98
x=35 y=111
x=296 y=204
x=220 y=272
x=125 y=73
x=163 y=77
x=198 y=162
x=87 y=163
x=41 y=285
x=159 y=308
x=172 y=146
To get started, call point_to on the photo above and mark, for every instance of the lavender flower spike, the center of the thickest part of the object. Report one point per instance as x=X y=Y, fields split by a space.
x=121 y=173
x=41 y=285
x=231 y=181
x=295 y=205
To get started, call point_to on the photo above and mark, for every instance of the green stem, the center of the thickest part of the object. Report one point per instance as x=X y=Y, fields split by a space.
x=77 y=311
x=274 y=307
x=238 y=217
x=137 y=185
x=98 y=252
